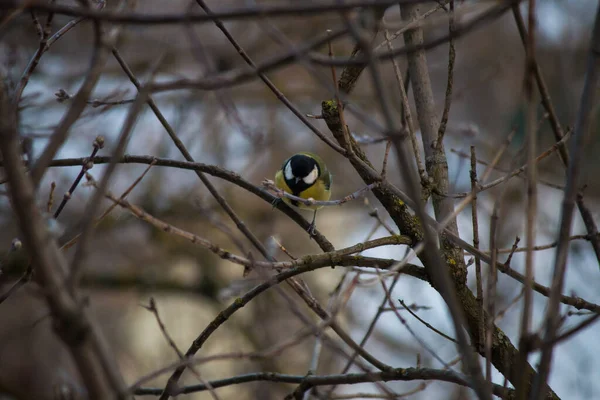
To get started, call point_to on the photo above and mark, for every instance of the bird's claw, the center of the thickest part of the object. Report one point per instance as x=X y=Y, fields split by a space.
x=275 y=203
x=312 y=230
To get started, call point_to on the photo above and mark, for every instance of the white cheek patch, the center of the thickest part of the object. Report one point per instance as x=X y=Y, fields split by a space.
x=312 y=177
x=287 y=171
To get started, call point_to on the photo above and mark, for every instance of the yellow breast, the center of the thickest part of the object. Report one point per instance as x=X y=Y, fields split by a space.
x=316 y=191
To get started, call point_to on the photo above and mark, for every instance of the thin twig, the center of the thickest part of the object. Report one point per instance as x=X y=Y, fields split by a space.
x=419 y=340
x=92 y=206
x=61 y=132
x=408 y=25
x=539 y=247
x=33 y=63
x=586 y=215
x=490 y=298
x=269 y=184
x=73 y=323
x=437 y=170
x=369 y=332
x=62 y=96
x=512 y=251
x=154 y=310
x=374 y=212
x=505 y=171
x=576 y=329
x=428 y=325
x=388 y=146
x=86 y=166
x=23 y=279
x=399 y=374
x=234 y=178
x=50 y=202
x=340 y=106
x=532 y=203
x=517 y=171
x=36 y=23
x=282 y=248
x=581 y=131
x=407 y=113
x=450 y=82
x=266 y=80
x=97 y=221
x=475 y=221
x=240 y=13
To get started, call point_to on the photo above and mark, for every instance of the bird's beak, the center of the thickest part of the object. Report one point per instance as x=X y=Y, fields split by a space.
x=297 y=179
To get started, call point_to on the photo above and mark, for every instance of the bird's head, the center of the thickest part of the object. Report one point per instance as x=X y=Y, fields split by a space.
x=301 y=170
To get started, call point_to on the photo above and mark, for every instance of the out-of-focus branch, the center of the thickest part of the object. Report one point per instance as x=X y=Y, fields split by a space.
x=399 y=374
x=102 y=44
x=46 y=42
x=450 y=84
x=532 y=199
x=397 y=203
x=268 y=82
x=242 y=75
x=234 y=178
x=87 y=225
x=213 y=170
x=582 y=125
x=294 y=283
x=325 y=258
x=320 y=260
x=436 y=165
x=559 y=134
x=73 y=324
x=267 y=10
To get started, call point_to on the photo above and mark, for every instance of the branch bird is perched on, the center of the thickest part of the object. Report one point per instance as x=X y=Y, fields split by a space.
x=305 y=175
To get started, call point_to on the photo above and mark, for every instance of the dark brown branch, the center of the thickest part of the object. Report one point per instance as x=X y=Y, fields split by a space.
x=450 y=82
x=272 y=10
x=236 y=179
x=475 y=221
x=97 y=145
x=532 y=201
x=92 y=206
x=213 y=170
x=398 y=374
x=61 y=133
x=581 y=131
x=397 y=204
x=586 y=215
x=186 y=154
x=73 y=324
x=296 y=286
x=242 y=75
x=268 y=82
x=445 y=280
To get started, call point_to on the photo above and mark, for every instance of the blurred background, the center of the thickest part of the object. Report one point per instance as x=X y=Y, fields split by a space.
x=247 y=130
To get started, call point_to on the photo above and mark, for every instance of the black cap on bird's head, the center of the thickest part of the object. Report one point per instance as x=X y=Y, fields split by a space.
x=302 y=165
x=300 y=172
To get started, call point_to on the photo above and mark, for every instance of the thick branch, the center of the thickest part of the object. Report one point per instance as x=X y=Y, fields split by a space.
x=503 y=351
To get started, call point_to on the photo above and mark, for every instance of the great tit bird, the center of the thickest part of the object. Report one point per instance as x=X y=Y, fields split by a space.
x=305 y=175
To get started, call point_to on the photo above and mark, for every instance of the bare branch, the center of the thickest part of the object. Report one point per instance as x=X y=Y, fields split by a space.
x=400 y=374
x=74 y=325
x=581 y=130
